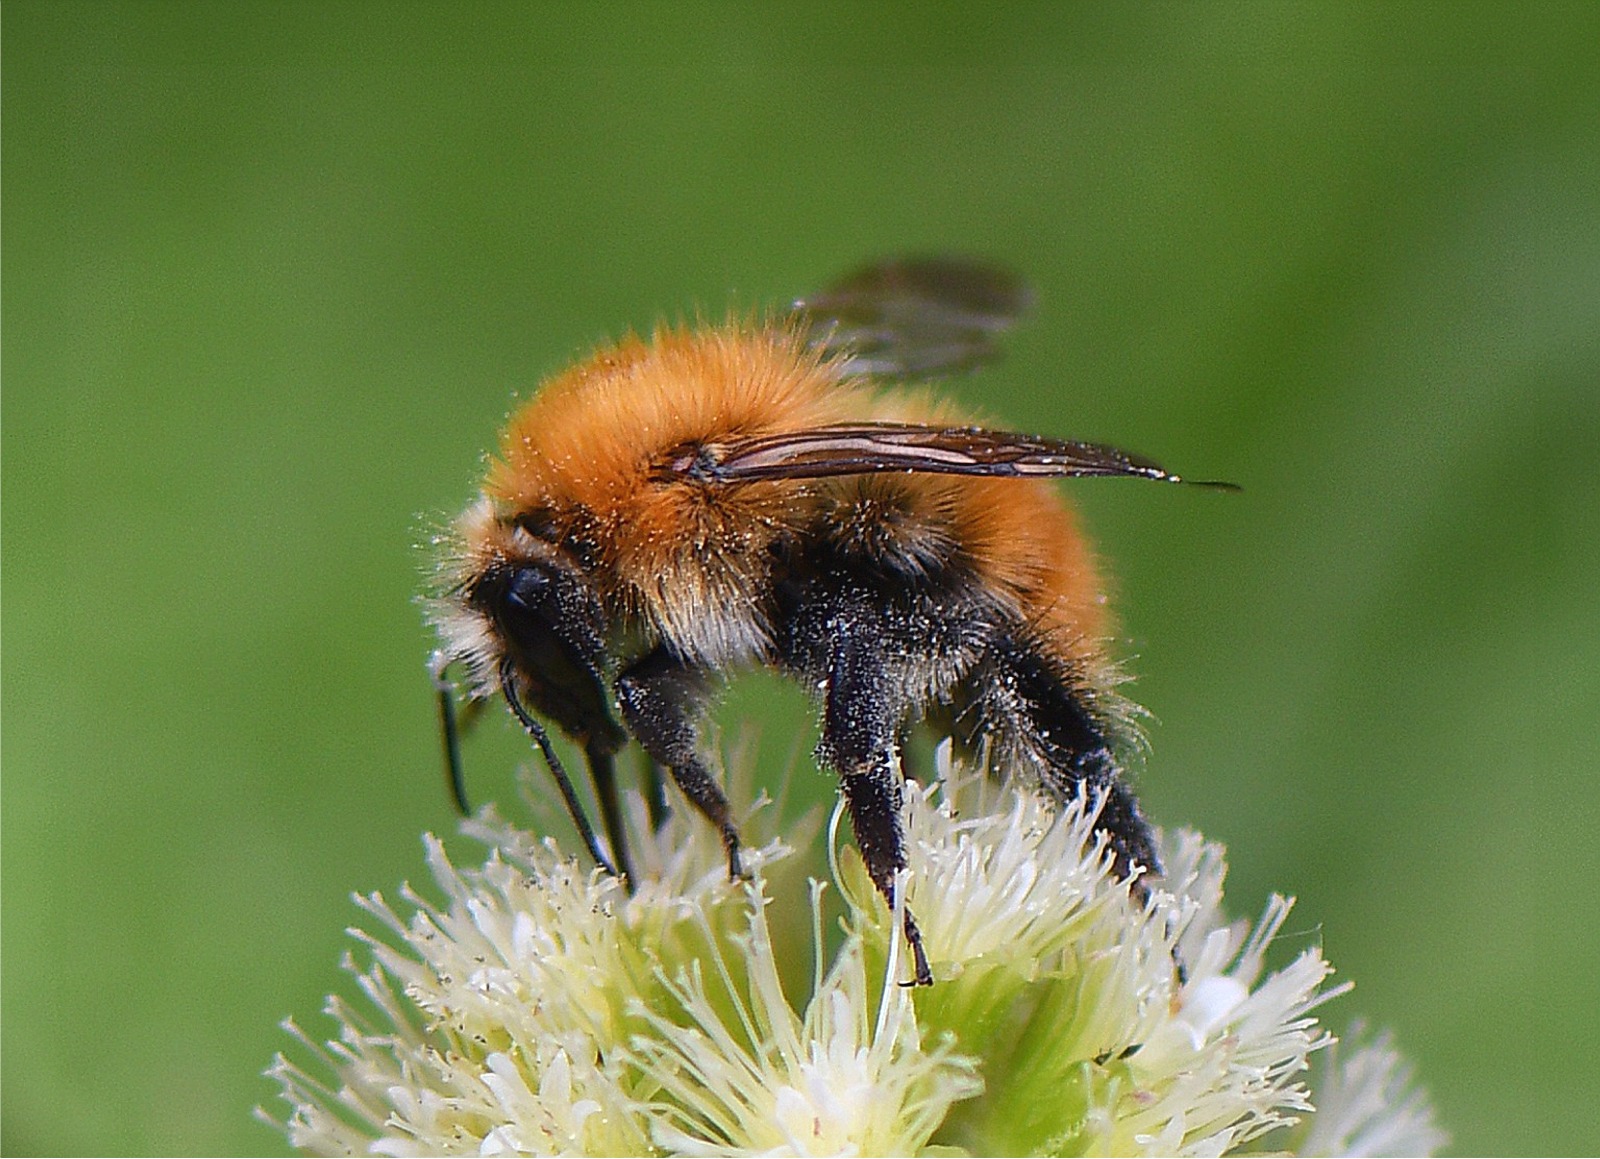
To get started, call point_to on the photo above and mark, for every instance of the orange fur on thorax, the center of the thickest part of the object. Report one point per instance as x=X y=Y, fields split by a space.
x=685 y=556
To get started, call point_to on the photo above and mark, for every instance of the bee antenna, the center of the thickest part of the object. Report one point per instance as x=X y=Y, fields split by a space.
x=508 y=688
x=450 y=731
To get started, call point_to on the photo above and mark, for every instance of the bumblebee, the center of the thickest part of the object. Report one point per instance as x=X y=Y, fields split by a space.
x=768 y=493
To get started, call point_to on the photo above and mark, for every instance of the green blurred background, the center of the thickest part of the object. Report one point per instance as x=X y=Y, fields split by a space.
x=274 y=273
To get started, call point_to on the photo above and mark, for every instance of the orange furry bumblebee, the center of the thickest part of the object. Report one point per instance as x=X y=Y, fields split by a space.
x=746 y=494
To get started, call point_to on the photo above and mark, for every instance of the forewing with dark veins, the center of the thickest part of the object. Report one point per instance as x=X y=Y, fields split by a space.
x=867 y=448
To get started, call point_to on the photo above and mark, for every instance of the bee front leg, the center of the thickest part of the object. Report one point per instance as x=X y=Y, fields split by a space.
x=662 y=701
x=603 y=774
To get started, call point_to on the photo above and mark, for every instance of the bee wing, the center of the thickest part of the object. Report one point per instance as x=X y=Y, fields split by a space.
x=914 y=317
x=866 y=448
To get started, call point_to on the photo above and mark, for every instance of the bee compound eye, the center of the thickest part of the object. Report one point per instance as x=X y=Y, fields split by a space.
x=527 y=588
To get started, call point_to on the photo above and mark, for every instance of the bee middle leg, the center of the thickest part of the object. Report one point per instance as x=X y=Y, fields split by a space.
x=860 y=724
x=663 y=700
x=655 y=795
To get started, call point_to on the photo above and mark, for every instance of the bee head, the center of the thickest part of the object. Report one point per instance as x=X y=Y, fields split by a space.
x=539 y=605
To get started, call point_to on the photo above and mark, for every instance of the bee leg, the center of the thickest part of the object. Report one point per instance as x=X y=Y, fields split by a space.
x=662 y=700
x=453 y=725
x=859 y=726
x=1030 y=709
x=535 y=730
x=655 y=795
x=874 y=799
x=603 y=775
x=1132 y=843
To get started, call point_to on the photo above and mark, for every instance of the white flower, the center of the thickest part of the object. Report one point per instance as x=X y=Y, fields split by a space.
x=1367 y=1105
x=541 y=1009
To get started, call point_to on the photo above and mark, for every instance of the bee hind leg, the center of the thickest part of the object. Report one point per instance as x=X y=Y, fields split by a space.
x=1042 y=717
